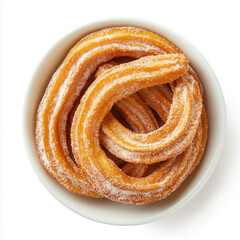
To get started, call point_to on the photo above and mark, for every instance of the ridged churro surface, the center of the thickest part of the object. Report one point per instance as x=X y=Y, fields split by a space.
x=122 y=117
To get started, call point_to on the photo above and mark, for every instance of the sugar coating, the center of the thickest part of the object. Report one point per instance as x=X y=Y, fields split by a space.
x=81 y=172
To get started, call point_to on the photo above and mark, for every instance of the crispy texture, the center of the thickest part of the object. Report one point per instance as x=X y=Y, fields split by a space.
x=83 y=145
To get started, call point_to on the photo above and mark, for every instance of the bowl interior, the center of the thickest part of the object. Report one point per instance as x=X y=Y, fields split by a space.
x=103 y=210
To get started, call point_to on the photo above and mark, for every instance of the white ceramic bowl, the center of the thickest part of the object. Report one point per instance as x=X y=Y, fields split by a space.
x=103 y=210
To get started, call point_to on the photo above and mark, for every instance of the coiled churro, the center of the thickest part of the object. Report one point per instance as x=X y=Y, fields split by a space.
x=153 y=138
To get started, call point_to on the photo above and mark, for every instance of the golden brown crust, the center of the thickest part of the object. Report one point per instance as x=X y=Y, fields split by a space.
x=128 y=170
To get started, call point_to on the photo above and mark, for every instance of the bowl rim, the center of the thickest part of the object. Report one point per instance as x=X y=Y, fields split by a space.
x=160 y=29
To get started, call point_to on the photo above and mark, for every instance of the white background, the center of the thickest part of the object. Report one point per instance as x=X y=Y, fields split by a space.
x=28 y=29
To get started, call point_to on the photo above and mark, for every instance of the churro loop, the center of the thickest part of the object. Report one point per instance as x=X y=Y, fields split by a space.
x=89 y=151
x=167 y=141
